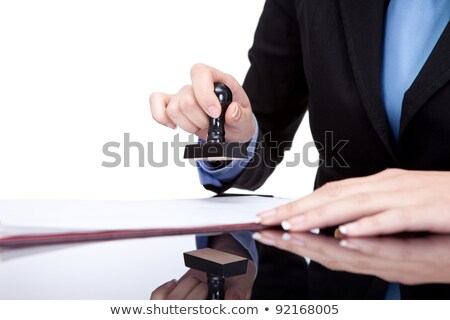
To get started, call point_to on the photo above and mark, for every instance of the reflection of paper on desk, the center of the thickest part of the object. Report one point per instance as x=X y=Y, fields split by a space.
x=8 y=253
x=114 y=218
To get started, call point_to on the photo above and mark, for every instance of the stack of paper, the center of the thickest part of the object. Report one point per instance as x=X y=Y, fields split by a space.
x=48 y=221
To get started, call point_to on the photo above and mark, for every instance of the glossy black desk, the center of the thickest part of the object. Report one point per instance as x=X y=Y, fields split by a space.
x=354 y=268
x=131 y=269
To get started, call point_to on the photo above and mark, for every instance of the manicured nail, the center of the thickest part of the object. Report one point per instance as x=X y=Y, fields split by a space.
x=257 y=236
x=286 y=236
x=286 y=225
x=345 y=229
x=213 y=111
x=236 y=112
x=267 y=214
x=348 y=244
x=257 y=219
x=293 y=221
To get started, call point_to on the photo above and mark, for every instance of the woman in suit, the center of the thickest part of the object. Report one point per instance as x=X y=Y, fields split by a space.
x=373 y=73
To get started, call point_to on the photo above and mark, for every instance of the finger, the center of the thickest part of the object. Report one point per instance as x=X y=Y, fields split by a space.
x=203 y=78
x=183 y=289
x=411 y=218
x=408 y=256
x=240 y=124
x=158 y=105
x=200 y=292
x=347 y=209
x=265 y=238
x=393 y=249
x=240 y=287
x=202 y=134
x=272 y=237
x=331 y=192
x=328 y=252
x=175 y=114
x=236 y=292
x=284 y=241
x=314 y=248
x=334 y=256
x=191 y=109
x=164 y=290
x=194 y=273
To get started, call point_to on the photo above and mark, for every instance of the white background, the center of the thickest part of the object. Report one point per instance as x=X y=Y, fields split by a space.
x=77 y=74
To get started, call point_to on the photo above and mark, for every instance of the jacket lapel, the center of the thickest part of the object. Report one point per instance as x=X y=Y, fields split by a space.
x=433 y=76
x=364 y=27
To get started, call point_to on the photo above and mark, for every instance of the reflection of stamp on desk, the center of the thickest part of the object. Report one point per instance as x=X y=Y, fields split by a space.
x=218 y=265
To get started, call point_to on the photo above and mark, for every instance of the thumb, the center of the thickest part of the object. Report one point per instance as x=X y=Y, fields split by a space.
x=233 y=114
x=240 y=125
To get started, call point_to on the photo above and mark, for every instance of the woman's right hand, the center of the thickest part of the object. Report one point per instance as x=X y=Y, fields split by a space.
x=190 y=107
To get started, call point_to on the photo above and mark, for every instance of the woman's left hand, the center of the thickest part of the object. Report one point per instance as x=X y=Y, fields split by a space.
x=388 y=202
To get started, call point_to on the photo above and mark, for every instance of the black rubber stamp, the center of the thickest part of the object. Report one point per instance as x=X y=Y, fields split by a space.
x=217 y=265
x=216 y=148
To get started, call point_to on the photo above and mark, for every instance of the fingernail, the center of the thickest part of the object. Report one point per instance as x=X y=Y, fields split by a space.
x=348 y=244
x=213 y=112
x=171 y=283
x=267 y=214
x=286 y=236
x=236 y=112
x=345 y=229
x=257 y=219
x=172 y=125
x=286 y=225
x=267 y=242
x=257 y=236
x=293 y=221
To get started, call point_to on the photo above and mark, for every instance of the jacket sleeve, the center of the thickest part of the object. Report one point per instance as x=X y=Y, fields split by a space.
x=276 y=86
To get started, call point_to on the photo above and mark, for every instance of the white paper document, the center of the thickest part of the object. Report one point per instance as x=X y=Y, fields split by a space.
x=95 y=215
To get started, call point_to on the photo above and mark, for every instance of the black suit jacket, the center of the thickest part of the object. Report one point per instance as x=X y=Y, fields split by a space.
x=324 y=56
